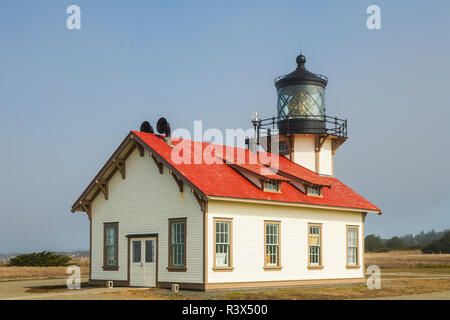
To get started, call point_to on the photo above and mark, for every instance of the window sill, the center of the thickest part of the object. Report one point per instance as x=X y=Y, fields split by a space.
x=272 y=191
x=177 y=269
x=223 y=269
x=315 y=267
x=353 y=266
x=110 y=268
x=272 y=268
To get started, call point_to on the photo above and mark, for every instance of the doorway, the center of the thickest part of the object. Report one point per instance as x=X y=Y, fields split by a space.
x=143 y=257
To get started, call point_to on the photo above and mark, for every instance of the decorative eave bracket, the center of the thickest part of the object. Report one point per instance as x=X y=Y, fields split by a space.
x=138 y=146
x=201 y=202
x=336 y=143
x=159 y=164
x=320 y=140
x=178 y=180
x=103 y=186
x=87 y=207
x=120 y=165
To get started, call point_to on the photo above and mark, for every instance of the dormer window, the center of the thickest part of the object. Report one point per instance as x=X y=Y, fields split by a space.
x=314 y=191
x=272 y=186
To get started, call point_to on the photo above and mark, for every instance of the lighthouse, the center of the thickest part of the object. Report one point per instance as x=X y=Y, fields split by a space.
x=305 y=133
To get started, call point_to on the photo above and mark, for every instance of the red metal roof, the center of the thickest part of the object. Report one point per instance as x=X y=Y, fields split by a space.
x=260 y=170
x=219 y=179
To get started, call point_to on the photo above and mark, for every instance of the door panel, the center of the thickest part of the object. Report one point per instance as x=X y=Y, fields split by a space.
x=143 y=262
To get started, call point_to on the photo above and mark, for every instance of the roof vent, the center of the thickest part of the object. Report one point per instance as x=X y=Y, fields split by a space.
x=146 y=127
x=163 y=127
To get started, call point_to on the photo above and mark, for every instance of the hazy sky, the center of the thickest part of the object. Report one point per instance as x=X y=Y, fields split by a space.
x=69 y=97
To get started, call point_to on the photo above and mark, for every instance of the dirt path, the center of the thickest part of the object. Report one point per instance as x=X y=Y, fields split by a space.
x=411 y=283
x=33 y=289
x=444 y=295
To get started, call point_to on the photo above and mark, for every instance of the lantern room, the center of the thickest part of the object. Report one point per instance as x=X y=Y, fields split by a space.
x=302 y=129
x=301 y=100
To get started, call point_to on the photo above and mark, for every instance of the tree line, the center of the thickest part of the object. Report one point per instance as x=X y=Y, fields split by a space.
x=430 y=242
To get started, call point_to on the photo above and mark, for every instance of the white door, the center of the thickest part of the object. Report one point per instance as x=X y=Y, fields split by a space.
x=143 y=262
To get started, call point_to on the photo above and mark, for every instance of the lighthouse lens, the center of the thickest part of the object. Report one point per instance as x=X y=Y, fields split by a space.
x=301 y=101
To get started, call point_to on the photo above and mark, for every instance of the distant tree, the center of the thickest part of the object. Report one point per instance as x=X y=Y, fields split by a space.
x=394 y=243
x=439 y=246
x=40 y=259
x=426 y=238
x=409 y=240
x=373 y=243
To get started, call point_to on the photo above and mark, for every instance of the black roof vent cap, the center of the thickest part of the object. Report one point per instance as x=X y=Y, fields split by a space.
x=146 y=127
x=163 y=127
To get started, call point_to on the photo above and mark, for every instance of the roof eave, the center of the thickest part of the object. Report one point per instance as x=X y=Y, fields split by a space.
x=295 y=204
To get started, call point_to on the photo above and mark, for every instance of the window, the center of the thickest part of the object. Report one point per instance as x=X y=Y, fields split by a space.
x=352 y=246
x=314 y=191
x=315 y=246
x=223 y=259
x=111 y=246
x=137 y=251
x=271 y=186
x=271 y=245
x=177 y=244
x=283 y=147
x=149 y=250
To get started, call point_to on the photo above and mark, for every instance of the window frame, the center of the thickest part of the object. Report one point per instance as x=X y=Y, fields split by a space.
x=278 y=266
x=320 y=265
x=134 y=251
x=107 y=267
x=230 y=266
x=153 y=241
x=319 y=194
x=171 y=267
x=357 y=265
x=283 y=151
x=276 y=183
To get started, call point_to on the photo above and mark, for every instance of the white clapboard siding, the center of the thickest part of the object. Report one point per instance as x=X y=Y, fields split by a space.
x=326 y=158
x=142 y=204
x=248 y=242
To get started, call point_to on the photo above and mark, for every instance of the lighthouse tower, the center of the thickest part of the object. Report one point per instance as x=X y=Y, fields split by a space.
x=305 y=133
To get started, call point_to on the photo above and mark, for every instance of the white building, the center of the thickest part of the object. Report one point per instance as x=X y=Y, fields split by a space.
x=154 y=222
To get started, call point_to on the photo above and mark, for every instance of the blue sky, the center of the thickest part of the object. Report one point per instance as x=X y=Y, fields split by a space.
x=69 y=97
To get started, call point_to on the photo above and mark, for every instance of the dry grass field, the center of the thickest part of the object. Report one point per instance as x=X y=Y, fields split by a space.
x=402 y=273
x=21 y=273
x=405 y=260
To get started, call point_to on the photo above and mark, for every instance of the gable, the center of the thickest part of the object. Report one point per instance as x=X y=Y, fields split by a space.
x=117 y=164
x=144 y=189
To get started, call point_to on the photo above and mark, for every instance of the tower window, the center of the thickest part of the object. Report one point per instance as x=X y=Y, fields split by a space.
x=283 y=147
x=314 y=191
x=271 y=186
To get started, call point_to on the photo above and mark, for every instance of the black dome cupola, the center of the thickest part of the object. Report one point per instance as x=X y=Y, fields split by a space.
x=301 y=76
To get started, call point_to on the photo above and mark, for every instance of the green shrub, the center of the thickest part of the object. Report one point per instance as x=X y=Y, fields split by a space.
x=40 y=259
